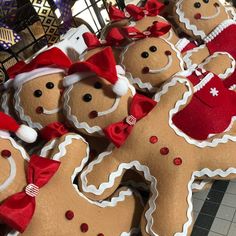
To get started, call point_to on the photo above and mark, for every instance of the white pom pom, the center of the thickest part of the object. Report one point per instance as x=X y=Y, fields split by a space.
x=120 y=87
x=26 y=134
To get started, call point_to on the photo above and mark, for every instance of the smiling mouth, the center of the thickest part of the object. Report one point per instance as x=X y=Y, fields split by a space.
x=42 y=110
x=147 y=70
x=94 y=114
x=198 y=16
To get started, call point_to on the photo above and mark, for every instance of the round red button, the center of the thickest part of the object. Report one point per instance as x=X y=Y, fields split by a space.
x=5 y=153
x=164 y=151
x=93 y=114
x=39 y=110
x=84 y=227
x=178 y=161
x=69 y=215
x=153 y=139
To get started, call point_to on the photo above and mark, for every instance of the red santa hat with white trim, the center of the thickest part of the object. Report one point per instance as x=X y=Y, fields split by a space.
x=24 y=132
x=102 y=64
x=48 y=62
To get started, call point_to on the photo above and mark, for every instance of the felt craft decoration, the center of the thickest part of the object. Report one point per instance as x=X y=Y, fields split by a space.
x=169 y=159
x=143 y=17
x=150 y=60
x=38 y=88
x=94 y=90
x=114 y=38
x=45 y=189
x=209 y=21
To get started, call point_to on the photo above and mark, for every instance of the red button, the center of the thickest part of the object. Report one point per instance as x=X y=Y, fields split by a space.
x=164 y=151
x=39 y=110
x=153 y=139
x=168 y=53
x=69 y=215
x=197 y=16
x=5 y=153
x=84 y=227
x=100 y=235
x=177 y=161
x=93 y=114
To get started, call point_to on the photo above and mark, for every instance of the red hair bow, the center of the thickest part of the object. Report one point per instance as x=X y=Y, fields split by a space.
x=139 y=108
x=151 y=8
x=113 y=38
x=156 y=30
x=18 y=210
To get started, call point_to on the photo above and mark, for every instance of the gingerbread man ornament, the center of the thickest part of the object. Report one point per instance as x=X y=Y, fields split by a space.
x=151 y=60
x=43 y=188
x=209 y=21
x=38 y=88
x=143 y=17
x=170 y=160
x=93 y=96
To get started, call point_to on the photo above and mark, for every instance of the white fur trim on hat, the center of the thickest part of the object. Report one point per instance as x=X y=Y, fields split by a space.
x=120 y=87
x=76 y=77
x=26 y=76
x=4 y=134
x=26 y=134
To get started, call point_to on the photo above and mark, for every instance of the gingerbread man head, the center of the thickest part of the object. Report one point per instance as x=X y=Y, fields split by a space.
x=150 y=60
x=35 y=185
x=38 y=88
x=199 y=17
x=95 y=90
x=141 y=18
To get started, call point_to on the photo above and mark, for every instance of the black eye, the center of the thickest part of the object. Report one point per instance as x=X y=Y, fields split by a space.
x=153 y=48
x=50 y=85
x=197 y=4
x=87 y=97
x=206 y=1
x=145 y=54
x=38 y=93
x=97 y=85
x=166 y=2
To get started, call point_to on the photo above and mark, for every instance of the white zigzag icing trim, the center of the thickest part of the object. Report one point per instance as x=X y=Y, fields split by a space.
x=221 y=27
x=138 y=81
x=201 y=185
x=45 y=150
x=203 y=82
x=186 y=21
x=114 y=175
x=187 y=57
x=224 y=139
x=228 y=71
x=152 y=179
x=73 y=119
x=20 y=111
x=4 y=101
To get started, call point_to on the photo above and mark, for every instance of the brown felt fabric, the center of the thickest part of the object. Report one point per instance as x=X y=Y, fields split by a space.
x=50 y=99
x=172 y=180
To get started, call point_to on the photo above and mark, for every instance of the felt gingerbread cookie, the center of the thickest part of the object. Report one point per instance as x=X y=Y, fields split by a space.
x=102 y=84
x=150 y=141
x=48 y=203
x=208 y=21
x=38 y=88
x=150 y=59
x=143 y=17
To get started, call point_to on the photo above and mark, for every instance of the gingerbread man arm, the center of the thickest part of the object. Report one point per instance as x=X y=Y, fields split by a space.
x=102 y=176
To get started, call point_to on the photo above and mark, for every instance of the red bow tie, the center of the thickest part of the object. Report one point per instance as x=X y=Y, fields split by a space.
x=18 y=210
x=151 y=8
x=156 y=30
x=139 y=108
x=53 y=130
x=113 y=38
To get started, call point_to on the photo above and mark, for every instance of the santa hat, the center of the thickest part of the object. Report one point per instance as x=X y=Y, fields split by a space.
x=23 y=132
x=48 y=62
x=103 y=65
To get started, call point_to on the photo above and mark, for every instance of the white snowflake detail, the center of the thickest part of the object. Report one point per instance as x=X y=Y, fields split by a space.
x=214 y=92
